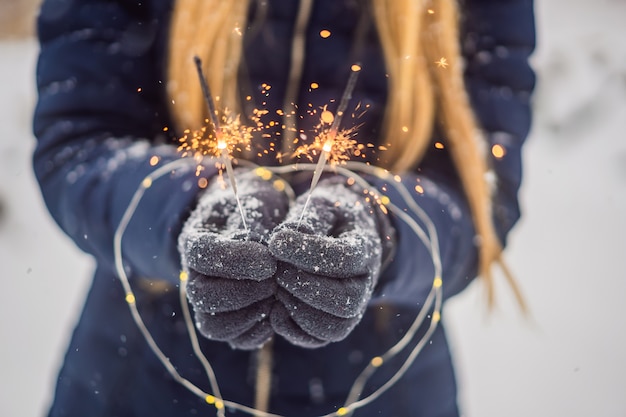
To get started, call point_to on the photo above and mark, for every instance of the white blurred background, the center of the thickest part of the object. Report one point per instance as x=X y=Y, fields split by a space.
x=569 y=251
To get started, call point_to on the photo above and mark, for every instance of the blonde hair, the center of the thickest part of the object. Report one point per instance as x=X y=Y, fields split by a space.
x=423 y=88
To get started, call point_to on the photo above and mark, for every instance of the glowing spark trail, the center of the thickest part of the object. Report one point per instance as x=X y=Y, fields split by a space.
x=221 y=141
x=334 y=144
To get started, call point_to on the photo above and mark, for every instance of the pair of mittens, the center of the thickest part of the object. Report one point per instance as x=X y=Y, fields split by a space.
x=305 y=274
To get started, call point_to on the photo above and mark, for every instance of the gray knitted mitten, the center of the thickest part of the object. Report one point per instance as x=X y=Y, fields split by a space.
x=230 y=270
x=329 y=263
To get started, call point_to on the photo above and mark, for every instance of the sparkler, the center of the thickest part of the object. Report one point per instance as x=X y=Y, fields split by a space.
x=231 y=134
x=334 y=145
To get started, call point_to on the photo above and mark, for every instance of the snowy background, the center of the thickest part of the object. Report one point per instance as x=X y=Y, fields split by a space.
x=569 y=252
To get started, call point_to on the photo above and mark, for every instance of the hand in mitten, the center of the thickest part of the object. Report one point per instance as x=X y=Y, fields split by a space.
x=230 y=270
x=329 y=263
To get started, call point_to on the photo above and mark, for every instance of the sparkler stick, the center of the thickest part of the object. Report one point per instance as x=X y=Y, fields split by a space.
x=328 y=137
x=222 y=145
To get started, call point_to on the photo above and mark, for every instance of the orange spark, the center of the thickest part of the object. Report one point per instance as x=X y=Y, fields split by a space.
x=339 y=146
x=442 y=63
x=498 y=151
x=232 y=136
x=327 y=117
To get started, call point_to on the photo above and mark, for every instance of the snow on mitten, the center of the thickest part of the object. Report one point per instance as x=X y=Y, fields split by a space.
x=230 y=270
x=329 y=263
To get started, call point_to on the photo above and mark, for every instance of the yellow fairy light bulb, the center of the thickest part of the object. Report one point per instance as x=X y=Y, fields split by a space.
x=130 y=298
x=209 y=399
x=147 y=182
x=385 y=200
x=342 y=411
x=376 y=361
x=183 y=276
x=264 y=173
x=437 y=282
x=279 y=185
x=436 y=317
x=154 y=160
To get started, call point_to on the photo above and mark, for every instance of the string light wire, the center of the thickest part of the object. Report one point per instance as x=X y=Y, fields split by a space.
x=129 y=294
x=352 y=402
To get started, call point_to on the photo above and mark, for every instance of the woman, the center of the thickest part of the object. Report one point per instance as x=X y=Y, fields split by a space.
x=117 y=87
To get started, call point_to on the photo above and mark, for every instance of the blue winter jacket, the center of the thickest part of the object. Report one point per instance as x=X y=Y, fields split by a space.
x=99 y=119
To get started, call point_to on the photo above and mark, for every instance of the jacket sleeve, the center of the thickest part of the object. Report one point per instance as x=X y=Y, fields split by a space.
x=498 y=38
x=99 y=123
